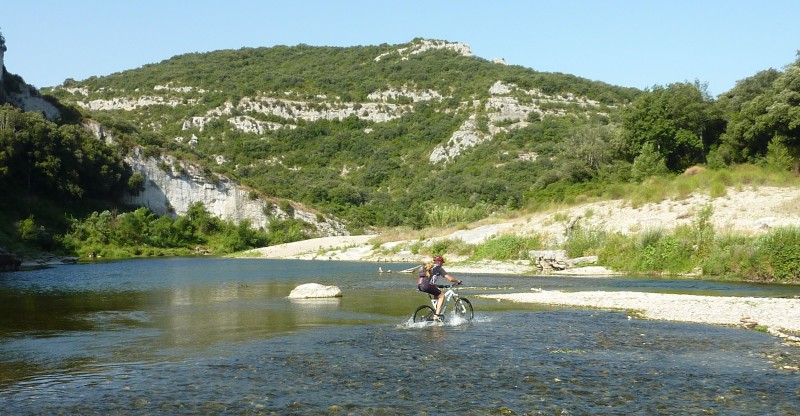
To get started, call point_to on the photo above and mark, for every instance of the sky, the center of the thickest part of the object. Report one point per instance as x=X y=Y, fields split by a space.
x=630 y=43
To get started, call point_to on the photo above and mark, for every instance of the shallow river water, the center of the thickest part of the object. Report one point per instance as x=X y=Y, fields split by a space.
x=220 y=336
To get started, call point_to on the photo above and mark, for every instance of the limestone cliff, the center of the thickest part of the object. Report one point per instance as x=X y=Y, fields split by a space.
x=22 y=95
x=171 y=186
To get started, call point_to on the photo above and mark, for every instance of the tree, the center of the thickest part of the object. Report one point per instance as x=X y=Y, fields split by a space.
x=649 y=163
x=773 y=112
x=675 y=119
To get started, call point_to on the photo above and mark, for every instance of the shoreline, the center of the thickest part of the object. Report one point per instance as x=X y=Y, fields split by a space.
x=774 y=315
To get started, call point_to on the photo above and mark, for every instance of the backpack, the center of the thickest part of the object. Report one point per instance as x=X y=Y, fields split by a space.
x=425 y=272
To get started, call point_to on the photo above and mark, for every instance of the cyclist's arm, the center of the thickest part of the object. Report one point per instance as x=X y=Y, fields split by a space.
x=452 y=279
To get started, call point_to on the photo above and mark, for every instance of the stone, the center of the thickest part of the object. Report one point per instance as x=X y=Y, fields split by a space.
x=315 y=290
x=9 y=262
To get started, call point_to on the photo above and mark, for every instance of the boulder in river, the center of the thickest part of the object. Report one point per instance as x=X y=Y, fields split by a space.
x=315 y=290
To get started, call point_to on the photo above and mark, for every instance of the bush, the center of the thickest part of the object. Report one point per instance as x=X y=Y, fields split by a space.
x=450 y=246
x=779 y=254
x=584 y=241
x=507 y=247
x=731 y=255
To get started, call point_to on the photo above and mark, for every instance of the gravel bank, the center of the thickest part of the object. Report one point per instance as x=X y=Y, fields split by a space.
x=775 y=313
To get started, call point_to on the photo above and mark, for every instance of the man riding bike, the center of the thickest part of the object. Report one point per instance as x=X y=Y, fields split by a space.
x=428 y=284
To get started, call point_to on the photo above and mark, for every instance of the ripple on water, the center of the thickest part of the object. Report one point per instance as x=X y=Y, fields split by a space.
x=569 y=361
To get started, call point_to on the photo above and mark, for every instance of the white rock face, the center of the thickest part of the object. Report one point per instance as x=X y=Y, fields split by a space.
x=425 y=45
x=414 y=95
x=129 y=104
x=315 y=290
x=28 y=99
x=508 y=108
x=465 y=137
x=174 y=191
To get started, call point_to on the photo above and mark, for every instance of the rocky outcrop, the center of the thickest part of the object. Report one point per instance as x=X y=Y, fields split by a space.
x=9 y=261
x=424 y=45
x=172 y=186
x=28 y=99
x=23 y=96
x=465 y=137
x=509 y=107
x=315 y=290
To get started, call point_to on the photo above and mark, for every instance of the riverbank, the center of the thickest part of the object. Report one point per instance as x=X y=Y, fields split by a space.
x=776 y=315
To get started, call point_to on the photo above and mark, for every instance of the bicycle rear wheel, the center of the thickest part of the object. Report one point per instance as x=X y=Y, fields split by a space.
x=463 y=309
x=423 y=314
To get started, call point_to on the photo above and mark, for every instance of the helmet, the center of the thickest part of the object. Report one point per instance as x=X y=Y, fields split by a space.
x=438 y=259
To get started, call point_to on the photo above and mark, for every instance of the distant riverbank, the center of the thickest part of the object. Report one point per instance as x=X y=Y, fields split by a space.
x=777 y=314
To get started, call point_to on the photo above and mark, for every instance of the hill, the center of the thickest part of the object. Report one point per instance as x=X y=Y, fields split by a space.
x=375 y=135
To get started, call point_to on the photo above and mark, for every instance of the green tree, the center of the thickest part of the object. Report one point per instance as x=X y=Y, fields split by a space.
x=677 y=120
x=772 y=113
x=649 y=163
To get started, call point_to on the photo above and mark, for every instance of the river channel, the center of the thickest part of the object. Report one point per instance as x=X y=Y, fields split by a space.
x=220 y=336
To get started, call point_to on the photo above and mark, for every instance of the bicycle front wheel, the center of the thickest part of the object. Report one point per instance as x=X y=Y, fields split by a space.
x=463 y=309
x=423 y=314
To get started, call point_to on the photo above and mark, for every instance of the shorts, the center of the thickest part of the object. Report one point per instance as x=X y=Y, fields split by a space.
x=427 y=287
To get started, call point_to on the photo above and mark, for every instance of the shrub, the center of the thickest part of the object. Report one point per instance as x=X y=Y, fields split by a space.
x=507 y=247
x=450 y=246
x=779 y=253
x=731 y=255
x=584 y=241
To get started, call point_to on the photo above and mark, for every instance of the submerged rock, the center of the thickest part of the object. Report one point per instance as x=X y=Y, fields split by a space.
x=315 y=290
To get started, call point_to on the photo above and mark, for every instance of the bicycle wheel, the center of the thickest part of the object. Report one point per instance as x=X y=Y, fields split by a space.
x=463 y=309
x=423 y=314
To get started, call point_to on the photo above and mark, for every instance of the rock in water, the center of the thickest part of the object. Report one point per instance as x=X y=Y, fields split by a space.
x=315 y=290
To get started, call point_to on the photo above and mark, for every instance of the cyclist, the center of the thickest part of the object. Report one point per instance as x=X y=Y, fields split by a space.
x=428 y=285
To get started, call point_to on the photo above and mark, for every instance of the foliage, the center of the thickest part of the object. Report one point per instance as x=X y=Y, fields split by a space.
x=648 y=163
x=774 y=256
x=761 y=109
x=38 y=156
x=507 y=247
x=444 y=246
x=778 y=252
x=584 y=241
x=143 y=233
x=678 y=121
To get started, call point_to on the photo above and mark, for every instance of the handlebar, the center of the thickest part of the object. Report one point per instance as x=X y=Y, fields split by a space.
x=448 y=286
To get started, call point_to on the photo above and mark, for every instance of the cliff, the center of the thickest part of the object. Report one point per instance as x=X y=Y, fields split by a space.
x=171 y=186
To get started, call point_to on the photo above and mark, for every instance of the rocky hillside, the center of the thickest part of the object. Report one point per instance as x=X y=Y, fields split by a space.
x=361 y=133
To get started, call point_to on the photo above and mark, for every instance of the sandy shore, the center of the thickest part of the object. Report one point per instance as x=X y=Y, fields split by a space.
x=778 y=314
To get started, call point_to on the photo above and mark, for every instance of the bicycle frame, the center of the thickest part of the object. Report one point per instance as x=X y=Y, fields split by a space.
x=461 y=306
x=449 y=295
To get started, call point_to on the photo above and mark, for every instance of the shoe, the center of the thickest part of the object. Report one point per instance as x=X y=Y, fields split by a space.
x=437 y=318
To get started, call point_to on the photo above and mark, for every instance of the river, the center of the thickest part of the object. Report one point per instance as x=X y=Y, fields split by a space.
x=220 y=336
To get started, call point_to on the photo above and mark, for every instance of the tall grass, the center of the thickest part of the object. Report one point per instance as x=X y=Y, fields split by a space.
x=443 y=215
x=584 y=241
x=507 y=247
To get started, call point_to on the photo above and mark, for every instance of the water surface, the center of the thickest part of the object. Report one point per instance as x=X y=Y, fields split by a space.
x=187 y=336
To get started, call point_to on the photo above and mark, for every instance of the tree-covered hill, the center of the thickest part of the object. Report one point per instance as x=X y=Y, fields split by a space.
x=355 y=131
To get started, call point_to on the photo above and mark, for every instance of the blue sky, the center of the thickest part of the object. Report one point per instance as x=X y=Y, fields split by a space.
x=624 y=42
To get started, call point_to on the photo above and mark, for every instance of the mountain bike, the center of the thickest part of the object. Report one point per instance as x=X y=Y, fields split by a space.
x=462 y=307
